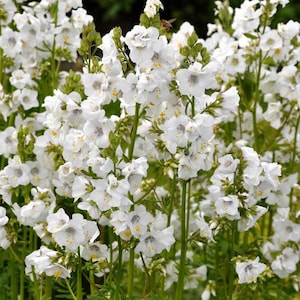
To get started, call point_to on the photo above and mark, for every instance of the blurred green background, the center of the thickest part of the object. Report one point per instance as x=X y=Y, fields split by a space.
x=125 y=13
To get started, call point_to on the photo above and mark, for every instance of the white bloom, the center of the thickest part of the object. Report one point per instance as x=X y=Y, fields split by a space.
x=20 y=79
x=17 y=172
x=138 y=220
x=155 y=241
x=39 y=260
x=174 y=134
x=140 y=42
x=56 y=221
x=10 y=42
x=249 y=271
x=273 y=114
x=228 y=207
x=248 y=221
x=194 y=80
x=71 y=235
x=3 y=217
x=235 y=64
x=246 y=18
x=270 y=41
x=285 y=263
x=27 y=98
x=152 y=7
x=95 y=251
x=227 y=165
x=56 y=270
x=9 y=141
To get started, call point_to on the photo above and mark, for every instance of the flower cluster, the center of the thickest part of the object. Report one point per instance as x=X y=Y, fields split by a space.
x=164 y=153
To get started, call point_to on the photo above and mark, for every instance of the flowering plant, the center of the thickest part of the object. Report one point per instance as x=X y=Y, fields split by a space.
x=162 y=166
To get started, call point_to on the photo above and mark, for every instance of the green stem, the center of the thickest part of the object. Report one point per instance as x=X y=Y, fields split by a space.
x=172 y=199
x=14 y=254
x=13 y=280
x=92 y=282
x=35 y=284
x=256 y=96
x=130 y=272
x=181 y=274
x=79 y=279
x=119 y=274
x=231 y=255
x=134 y=131
x=70 y=289
x=295 y=142
x=22 y=268
x=48 y=288
x=270 y=223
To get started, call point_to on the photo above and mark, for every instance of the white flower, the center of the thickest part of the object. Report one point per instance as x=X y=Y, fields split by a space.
x=10 y=42
x=152 y=7
x=174 y=134
x=286 y=230
x=97 y=133
x=228 y=207
x=3 y=217
x=235 y=64
x=20 y=79
x=285 y=263
x=227 y=165
x=71 y=235
x=140 y=43
x=9 y=141
x=80 y=17
x=5 y=241
x=246 y=18
x=39 y=260
x=270 y=41
x=56 y=221
x=194 y=80
x=248 y=221
x=249 y=271
x=31 y=213
x=288 y=30
x=95 y=85
x=155 y=241
x=273 y=114
x=138 y=220
x=95 y=251
x=28 y=98
x=57 y=270
x=17 y=172
x=271 y=172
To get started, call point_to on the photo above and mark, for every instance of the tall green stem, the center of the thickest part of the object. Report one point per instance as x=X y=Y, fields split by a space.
x=256 y=98
x=130 y=272
x=130 y=157
x=48 y=289
x=79 y=295
x=134 y=131
x=181 y=274
x=119 y=274
x=13 y=279
x=70 y=289
x=232 y=236
x=295 y=141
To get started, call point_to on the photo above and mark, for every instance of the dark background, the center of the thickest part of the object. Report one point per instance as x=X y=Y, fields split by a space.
x=125 y=13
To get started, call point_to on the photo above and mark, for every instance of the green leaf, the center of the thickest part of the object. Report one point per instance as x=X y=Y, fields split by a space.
x=192 y=40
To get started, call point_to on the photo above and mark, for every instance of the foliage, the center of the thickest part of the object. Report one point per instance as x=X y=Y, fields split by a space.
x=162 y=166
